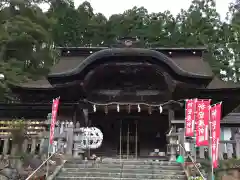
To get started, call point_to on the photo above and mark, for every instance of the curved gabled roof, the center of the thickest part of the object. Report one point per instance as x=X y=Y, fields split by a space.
x=98 y=57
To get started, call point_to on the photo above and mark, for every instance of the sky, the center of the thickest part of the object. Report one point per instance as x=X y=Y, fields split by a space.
x=109 y=7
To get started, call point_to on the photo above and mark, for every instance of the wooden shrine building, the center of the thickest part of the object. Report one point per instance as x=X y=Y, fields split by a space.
x=132 y=94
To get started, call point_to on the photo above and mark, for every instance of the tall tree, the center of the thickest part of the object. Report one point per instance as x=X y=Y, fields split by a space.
x=26 y=49
x=234 y=43
x=66 y=27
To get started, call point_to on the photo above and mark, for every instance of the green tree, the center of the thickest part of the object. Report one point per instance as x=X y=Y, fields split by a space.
x=26 y=48
x=27 y=34
x=66 y=27
x=234 y=43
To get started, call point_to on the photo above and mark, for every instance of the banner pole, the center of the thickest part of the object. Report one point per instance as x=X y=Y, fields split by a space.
x=48 y=155
x=210 y=143
x=49 y=144
x=195 y=130
x=185 y=126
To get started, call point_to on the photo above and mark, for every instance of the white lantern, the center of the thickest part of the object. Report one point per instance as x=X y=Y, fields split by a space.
x=118 y=108
x=91 y=138
x=139 y=108
x=94 y=108
x=160 y=109
x=2 y=77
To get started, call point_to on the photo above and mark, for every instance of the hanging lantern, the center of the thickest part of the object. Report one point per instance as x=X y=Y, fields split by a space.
x=139 y=108
x=160 y=109
x=118 y=108
x=94 y=108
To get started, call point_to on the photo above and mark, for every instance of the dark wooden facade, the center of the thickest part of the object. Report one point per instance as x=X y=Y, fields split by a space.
x=123 y=87
x=123 y=75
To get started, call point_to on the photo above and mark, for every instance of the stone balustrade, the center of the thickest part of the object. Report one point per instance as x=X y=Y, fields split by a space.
x=67 y=136
x=228 y=149
x=66 y=139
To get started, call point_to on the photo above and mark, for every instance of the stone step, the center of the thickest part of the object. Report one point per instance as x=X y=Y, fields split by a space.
x=155 y=165
x=117 y=161
x=114 y=169
x=110 y=178
x=123 y=175
x=72 y=170
x=125 y=167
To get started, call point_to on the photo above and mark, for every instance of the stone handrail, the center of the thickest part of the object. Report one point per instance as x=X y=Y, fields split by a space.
x=42 y=165
x=193 y=161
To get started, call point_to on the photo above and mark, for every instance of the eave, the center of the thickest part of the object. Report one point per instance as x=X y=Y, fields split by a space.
x=155 y=57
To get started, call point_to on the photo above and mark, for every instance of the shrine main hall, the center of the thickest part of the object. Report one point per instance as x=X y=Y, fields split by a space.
x=134 y=95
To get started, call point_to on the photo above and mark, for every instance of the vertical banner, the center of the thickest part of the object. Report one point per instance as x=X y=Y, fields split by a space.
x=190 y=106
x=215 y=114
x=202 y=120
x=54 y=117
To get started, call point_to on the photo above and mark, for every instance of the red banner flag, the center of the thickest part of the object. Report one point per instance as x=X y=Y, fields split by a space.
x=190 y=117
x=202 y=119
x=54 y=117
x=215 y=131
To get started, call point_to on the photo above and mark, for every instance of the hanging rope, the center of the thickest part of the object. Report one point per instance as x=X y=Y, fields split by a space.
x=133 y=104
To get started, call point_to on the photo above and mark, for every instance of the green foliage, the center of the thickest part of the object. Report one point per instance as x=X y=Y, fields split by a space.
x=27 y=34
x=200 y=25
x=26 y=46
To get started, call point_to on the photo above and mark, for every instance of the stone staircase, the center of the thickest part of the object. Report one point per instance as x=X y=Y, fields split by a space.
x=113 y=169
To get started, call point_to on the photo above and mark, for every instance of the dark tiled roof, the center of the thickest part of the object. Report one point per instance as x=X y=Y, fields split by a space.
x=42 y=83
x=232 y=118
x=193 y=64
x=217 y=83
x=66 y=64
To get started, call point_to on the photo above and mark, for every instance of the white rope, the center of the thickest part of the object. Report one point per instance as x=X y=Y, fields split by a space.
x=128 y=103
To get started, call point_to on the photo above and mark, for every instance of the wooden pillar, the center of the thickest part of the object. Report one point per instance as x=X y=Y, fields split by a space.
x=74 y=118
x=171 y=116
x=85 y=113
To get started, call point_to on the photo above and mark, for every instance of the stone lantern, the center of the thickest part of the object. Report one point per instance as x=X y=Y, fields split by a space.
x=172 y=145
